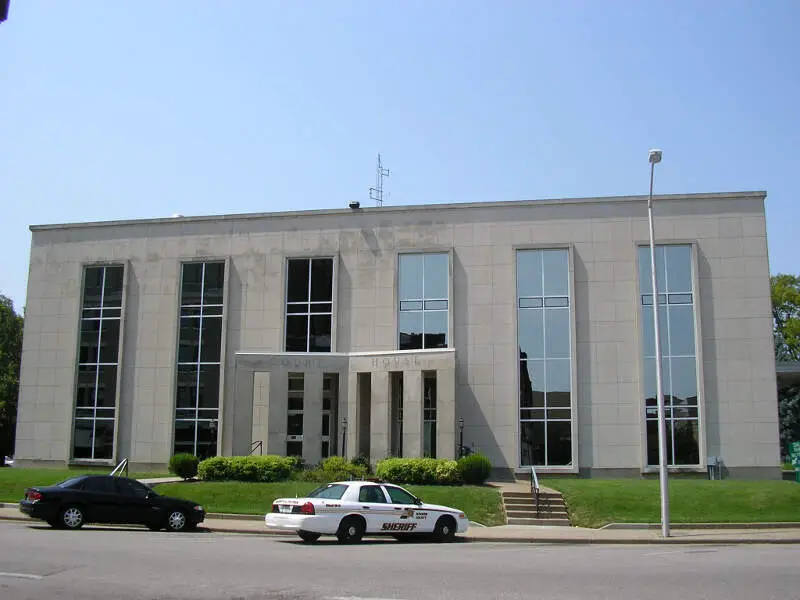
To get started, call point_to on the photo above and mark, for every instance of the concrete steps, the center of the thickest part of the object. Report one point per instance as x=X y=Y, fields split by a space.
x=520 y=508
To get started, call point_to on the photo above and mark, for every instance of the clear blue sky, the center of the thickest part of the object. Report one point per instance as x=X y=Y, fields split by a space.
x=117 y=110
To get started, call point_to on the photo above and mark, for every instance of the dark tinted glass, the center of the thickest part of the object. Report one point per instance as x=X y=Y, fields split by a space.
x=322 y=280
x=109 y=340
x=102 y=485
x=82 y=439
x=112 y=294
x=92 y=286
x=209 y=386
x=410 y=326
x=559 y=442
x=214 y=283
x=297 y=280
x=211 y=340
x=206 y=439
x=191 y=283
x=103 y=439
x=399 y=496
x=128 y=487
x=86 y=385
x=435 y=325
x=320 y=340
x=333 y=491
x=187 y=386
x=184 y=436
x=90 y=337
x=297 y=333
x=189 y=339
x=294 y=448
x=107 y=386
x=686 y=445
x=531 y=383
x=532 y=443
x=371 y=493
x=294 y=424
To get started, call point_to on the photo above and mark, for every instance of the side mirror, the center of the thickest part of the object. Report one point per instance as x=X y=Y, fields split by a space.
x=418 y=501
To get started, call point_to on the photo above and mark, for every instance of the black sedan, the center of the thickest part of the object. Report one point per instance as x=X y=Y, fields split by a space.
x=110 y=500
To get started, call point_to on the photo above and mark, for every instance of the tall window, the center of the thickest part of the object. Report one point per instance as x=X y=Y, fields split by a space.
x=429 y=414
x=330 y=405
x=309 y=304
x=98 y=362
x=424 y=291
x=545 y=357
x=678 y=355
x=294 y=416
x=199 y=358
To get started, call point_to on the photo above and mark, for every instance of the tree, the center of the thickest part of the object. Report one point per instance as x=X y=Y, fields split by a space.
x=786 y=316
x=10 y=357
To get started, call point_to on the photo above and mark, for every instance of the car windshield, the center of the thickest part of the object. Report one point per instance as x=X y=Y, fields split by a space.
x=71 y=482
x=333 y=491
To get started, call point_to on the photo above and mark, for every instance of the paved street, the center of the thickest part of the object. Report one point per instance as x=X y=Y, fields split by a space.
x=94 y=563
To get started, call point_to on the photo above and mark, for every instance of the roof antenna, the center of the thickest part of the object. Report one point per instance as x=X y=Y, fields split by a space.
x=376 y=193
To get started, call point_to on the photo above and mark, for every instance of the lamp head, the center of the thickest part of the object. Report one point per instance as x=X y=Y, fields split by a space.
x=655 y=156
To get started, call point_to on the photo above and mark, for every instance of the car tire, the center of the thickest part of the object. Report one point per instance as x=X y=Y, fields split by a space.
x=445 y=530
x=308 y=537
x=351 y=530
x=177 y=521
x=71 y=517
x=54 y=523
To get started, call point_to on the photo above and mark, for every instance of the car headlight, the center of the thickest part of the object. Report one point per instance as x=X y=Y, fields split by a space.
x=198 y=507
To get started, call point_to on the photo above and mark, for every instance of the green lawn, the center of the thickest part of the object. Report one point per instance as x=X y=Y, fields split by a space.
x=597 y=502
x=481 y=504
x=13 y=481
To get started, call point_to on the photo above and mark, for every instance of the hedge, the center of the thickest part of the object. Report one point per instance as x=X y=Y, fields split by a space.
x=184 y=465
x=473 y=470
x=248 y=468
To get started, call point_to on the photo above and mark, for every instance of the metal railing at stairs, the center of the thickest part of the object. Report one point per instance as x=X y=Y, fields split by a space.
x=257 y=445
x=535 y=491
x=121 y=468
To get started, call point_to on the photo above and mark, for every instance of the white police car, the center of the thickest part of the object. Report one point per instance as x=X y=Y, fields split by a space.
x=351 y=509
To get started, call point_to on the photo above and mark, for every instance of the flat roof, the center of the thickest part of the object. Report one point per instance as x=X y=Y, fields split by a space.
x=721 y=196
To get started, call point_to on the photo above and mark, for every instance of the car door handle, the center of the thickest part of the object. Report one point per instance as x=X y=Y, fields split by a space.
x=365 y=507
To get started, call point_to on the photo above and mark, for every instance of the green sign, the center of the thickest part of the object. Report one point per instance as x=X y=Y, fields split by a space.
x=794 y=454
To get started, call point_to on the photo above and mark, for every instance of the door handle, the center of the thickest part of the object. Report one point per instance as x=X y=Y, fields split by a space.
x=365 y=507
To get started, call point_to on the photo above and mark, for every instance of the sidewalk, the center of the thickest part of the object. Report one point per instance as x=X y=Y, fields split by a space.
x=750 y=534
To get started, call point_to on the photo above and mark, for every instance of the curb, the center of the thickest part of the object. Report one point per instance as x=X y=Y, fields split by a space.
x=655 y=526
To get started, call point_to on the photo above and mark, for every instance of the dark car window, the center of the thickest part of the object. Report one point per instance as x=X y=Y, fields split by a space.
x=129 y=487
x=72 y=482
x=399 y=496
x=330 y=492
x=371 y=493
x=102 y=485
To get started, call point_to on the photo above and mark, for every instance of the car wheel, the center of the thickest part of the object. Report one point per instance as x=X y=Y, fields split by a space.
x=176 y=521
x=445 y=530
x=71 y=517
x=309 y=537
x=351 y=530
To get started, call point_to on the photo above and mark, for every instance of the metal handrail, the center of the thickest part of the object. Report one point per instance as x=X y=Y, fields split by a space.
x=123 y=466
x=257 y=444
x=535 y=488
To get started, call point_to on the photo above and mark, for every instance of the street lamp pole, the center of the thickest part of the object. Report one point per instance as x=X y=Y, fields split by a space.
x=655 y=157
x=344 y=437
x=461 y=437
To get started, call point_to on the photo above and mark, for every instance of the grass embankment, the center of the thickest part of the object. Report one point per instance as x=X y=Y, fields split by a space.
x=597 y=502
x=13 y=481
x=481 y=504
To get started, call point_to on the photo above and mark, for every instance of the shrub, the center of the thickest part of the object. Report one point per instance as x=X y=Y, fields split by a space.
x=475 y=468
x=215 y=469
x=362 y=461
x=419 y=471
x=339 y=464
x=184 y=465
x=247 y=468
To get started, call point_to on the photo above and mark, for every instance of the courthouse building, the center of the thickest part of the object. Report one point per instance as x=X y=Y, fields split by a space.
x=380 y=331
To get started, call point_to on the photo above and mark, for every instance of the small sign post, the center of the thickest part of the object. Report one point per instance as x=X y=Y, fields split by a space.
x=794 y=457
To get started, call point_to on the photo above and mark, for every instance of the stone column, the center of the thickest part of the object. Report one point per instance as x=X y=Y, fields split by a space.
x=277 y=412
x=312 y=418
x=243 y=397
x=446 y=413
x=351 y=413
x=260 y=408
x=380 y=417
x=413 y=440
